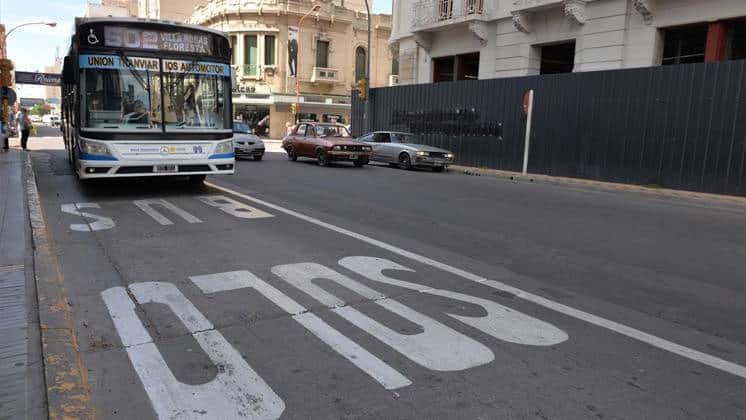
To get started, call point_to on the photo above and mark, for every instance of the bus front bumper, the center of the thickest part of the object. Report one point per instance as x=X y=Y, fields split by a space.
x=88 y=169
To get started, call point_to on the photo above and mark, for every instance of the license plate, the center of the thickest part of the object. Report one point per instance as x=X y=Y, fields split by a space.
x=164 y=168
x=353 y=157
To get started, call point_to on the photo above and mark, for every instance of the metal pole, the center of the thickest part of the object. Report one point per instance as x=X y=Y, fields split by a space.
x=366 y=109
x=7 y=34
x=528 y=130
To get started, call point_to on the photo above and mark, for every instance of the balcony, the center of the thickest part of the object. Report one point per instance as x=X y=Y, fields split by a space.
x=428 y=15
x=325 y=75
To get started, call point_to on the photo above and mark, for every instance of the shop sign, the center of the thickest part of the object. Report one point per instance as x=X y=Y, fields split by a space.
x=251 y=89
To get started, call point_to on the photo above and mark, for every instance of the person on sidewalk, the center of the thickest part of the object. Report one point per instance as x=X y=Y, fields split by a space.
x=24 y=126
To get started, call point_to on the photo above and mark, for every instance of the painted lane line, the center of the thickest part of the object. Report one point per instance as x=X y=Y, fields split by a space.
x=501 y=322
x=437 y=347
x=652 y=340
x=147 y=207
x=376 y=368
x=237 y=391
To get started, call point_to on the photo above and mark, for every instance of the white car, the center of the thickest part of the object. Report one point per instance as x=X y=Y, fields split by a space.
x=34 y=118
x=51 y=119
x=245 y=143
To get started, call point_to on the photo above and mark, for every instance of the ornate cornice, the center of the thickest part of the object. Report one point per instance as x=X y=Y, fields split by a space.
x=423 y=40
x=646 y=8
x=521 y=21
x=479 y=30
x=575 y=9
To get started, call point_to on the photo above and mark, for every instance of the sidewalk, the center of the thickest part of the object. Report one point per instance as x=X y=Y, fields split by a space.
x=22 y=394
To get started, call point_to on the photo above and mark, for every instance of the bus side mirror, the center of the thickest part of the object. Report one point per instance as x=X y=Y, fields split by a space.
x=68 y=71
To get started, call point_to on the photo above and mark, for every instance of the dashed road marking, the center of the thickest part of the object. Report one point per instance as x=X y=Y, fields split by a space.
x=652 y=340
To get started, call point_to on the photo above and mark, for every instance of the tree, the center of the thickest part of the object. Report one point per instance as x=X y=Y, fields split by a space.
x=40 y=109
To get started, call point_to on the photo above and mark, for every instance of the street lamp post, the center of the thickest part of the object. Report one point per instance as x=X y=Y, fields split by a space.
x=297 y=61
x=7 y=34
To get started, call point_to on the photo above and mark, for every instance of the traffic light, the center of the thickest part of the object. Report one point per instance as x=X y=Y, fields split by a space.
x=294 y=108
x=362 y=89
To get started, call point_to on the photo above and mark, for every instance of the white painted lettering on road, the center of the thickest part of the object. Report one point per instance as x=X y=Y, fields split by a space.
x=237 y=391
x=147 y=207
x=633 y=333
x=233 y=207
x=377 y=369
x=438 y=347
x=501 y=322
x=99 y=223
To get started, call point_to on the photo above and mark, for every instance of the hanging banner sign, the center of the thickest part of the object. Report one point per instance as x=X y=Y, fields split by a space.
x=114 y=62
x=199 y=67
x=292 y=50
x=32 y=78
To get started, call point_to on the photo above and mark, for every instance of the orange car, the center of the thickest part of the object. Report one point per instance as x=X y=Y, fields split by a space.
x=327 y=143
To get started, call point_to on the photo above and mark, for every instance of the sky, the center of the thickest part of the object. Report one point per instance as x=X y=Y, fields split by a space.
x=33 y=47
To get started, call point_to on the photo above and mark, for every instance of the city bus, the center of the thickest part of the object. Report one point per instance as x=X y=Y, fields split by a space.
x=142 y=97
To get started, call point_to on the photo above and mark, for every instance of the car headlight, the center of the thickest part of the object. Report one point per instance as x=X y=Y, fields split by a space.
x=337 y=148
x=449 y=155
x=367 y=148
x=94 y=148
x=421 y=153
x=224 y=147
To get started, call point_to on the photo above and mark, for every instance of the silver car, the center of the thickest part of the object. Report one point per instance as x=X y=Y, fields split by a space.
x=245 y=143
x=403 y=150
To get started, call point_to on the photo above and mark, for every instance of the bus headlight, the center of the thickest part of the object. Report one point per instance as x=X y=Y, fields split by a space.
x=94 y=148
x=224 y=147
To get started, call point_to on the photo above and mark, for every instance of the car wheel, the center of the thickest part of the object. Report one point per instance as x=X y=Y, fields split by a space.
x=321 y=158
x=438 y=168
x=258 y=157
x=291 y=154
x=405 y=162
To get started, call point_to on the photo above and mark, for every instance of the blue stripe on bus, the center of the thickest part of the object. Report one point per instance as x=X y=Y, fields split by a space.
x=222 y=156
x=88 y=156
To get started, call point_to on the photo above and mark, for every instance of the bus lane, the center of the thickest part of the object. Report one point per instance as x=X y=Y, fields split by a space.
x=193 y=302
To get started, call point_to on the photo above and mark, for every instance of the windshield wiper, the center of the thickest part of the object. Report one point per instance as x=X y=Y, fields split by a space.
x=144 y=84
x=134 y=72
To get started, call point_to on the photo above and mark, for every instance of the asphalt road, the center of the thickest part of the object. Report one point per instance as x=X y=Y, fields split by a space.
x=294 y=291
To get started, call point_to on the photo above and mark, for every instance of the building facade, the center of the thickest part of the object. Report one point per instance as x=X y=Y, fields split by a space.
x=323 y=58
x=440 y=40
x=53 y=94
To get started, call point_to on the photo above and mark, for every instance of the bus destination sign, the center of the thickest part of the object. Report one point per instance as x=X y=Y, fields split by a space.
x=185 y=42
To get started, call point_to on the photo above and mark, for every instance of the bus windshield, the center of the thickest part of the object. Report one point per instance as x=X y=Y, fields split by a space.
x=195 y=101
x=120 y=97
x=135 y=93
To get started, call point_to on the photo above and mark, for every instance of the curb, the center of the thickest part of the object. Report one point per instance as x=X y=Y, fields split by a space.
x=599 y=185
x=65 y=373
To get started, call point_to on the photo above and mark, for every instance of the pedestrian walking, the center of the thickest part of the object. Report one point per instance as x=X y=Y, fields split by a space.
x=24 y=126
